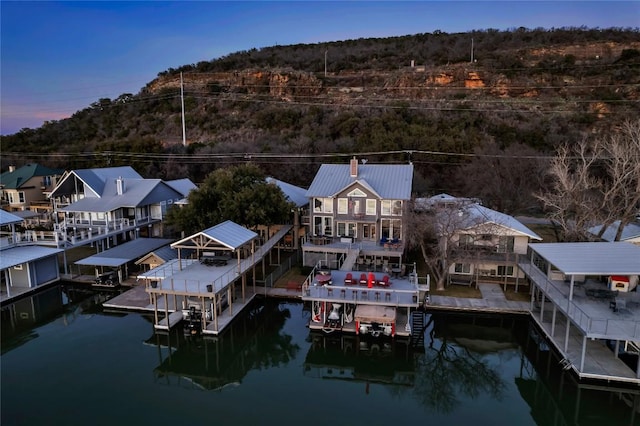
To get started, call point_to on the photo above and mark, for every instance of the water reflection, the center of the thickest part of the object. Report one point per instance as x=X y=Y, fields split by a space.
x=253 y=341
x=360 y=358
x=469 y=366
x=21 y=317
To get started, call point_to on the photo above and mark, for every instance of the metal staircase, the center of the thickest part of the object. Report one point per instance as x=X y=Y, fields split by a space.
x=418 y=325
x=350 y=260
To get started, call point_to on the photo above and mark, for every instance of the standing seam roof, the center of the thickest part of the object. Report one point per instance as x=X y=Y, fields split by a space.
x=389 y=181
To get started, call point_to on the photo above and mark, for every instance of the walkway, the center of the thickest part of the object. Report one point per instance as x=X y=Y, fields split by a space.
x=493 y=300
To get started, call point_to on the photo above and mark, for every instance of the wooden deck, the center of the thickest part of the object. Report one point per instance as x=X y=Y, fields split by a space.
x=401 y=292
x=168 y=322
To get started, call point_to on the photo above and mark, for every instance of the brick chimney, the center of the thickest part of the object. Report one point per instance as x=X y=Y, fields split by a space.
x=353 y=167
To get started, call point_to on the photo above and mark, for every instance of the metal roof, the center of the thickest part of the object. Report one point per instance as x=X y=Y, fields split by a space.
x=183 y=186
x=124 y=253
x=137 y=192
x=389 y=181
x=97 y=178
x=7 y=218
x=22 y=254
x=227 y=233
x=295 y=194
x=488 y=215
x=630 y=231
x=21 y=175
x=591 y=258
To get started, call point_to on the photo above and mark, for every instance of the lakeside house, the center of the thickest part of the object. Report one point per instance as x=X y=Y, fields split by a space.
x=108 y=206
x=23 y=268
x=357 y=214
x=25 y=192
x=481 y=244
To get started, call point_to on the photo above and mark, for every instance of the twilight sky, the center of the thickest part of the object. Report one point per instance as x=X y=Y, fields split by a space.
x=59 y=57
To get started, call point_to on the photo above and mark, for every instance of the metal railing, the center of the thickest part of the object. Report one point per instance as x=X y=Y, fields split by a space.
x=613 y=328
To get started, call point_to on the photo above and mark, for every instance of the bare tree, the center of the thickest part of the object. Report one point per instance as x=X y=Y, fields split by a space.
x=621 y=157
x=595 y=182
x=435 y=229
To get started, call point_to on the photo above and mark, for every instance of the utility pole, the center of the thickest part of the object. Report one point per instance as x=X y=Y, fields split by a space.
x=471 y=49
x=184 y=128
x=325 y=62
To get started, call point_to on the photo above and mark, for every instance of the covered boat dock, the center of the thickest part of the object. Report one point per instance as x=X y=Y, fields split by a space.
x=119 y=257
x=218 y=289
x=587 y=322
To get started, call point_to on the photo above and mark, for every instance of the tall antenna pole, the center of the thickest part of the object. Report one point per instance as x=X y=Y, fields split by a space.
x=184 y=128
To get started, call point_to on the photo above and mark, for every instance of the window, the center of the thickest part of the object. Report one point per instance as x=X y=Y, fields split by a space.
x=371 y=207
x=323 y=205
x=396 y=208
x=391 y=207
x=505 y=270
x=391 y=228
x=505 y=244
x=463 y=268
x=343 y=206
x=386 y=207
x=356 y=207
x=465 y=240
x=357 y=193
x=323 y=225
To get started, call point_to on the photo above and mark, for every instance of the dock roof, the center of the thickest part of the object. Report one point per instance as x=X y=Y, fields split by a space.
x=7 y=218
x=124 y=253
x=600 y=258
x=228 y=233
x=22 y=254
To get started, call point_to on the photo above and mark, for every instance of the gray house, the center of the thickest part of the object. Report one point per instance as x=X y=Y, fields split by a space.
x=357 y=214
x=112 y=205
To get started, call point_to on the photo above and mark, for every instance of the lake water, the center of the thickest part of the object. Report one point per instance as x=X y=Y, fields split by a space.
x=66 y=362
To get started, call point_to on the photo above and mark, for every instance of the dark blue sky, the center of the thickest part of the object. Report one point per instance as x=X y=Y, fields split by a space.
x=59 y=57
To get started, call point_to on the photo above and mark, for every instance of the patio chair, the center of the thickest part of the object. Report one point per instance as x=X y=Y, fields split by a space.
x=363 y=279
x=348 y=279
x=384 y=282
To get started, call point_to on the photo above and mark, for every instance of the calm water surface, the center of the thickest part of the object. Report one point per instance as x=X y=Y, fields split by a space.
x=66 y=362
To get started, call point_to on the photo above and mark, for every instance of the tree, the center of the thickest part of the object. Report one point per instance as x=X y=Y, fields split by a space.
x=434 y=227
x=240 y=194
x=595 y=182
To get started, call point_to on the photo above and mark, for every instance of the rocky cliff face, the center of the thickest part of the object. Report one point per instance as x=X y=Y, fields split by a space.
x=416 y=82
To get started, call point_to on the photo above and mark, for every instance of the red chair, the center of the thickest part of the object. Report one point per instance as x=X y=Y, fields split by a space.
x=384 y=282
x=363 y=279
x=348 y=279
